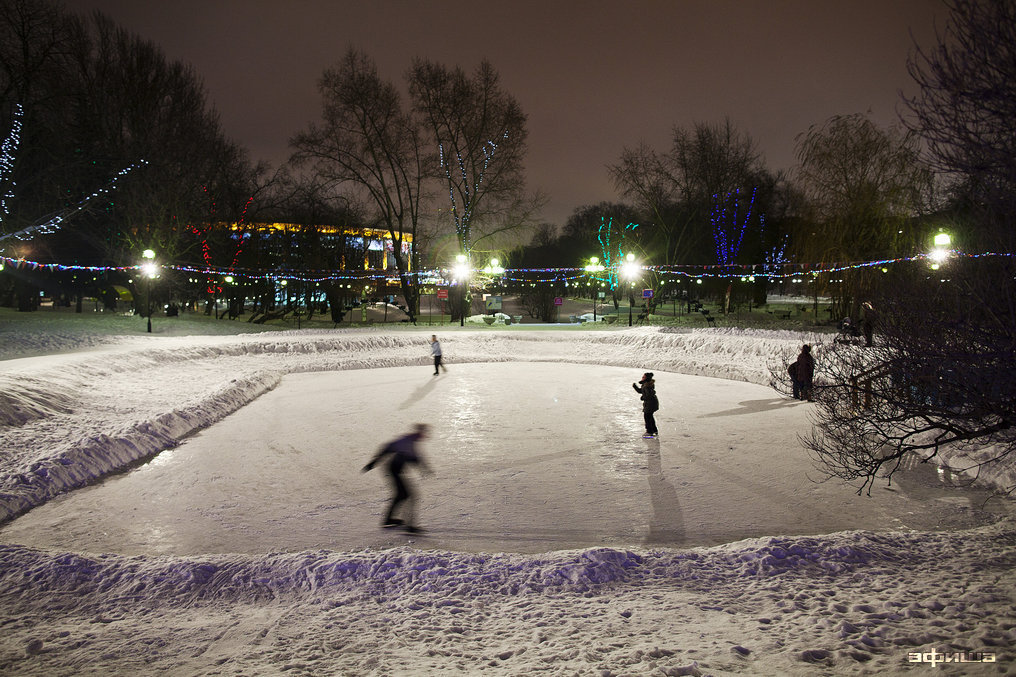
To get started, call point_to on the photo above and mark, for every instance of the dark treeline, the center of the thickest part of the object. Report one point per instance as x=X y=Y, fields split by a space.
x=98 y=100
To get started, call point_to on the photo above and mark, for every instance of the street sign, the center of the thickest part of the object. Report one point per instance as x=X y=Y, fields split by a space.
x=558 y=301
x=601 y=294
x=442 y=293
x=492 y=303
x=647 y=293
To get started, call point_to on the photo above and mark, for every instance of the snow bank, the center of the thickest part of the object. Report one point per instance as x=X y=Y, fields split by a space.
x=851 y=603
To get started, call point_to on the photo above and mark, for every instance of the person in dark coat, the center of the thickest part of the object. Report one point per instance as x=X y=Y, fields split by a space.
x=400 y=453
x=650 y=403
x=868 y=319
x=802 y=372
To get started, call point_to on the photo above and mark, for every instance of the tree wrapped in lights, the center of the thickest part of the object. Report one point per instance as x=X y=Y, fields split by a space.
x=612 y=238
x=730 y=218
x=8 y=194
x=479 y=132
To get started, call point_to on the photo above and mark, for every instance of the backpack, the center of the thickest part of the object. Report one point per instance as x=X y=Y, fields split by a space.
x=792 y=370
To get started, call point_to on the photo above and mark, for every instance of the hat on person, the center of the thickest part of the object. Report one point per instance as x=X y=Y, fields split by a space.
x=648 y=376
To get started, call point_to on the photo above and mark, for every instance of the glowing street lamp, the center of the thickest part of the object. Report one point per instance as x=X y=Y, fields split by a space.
x=630 y=270
x=150 y=270
x=493 y=268
x=460 y=272
x=940 y=253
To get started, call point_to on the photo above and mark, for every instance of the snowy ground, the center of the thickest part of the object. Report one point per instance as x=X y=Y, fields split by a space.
x=561 y=543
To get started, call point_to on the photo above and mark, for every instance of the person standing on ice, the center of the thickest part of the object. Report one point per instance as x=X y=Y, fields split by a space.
x=868 y=319
x=650 y=403
x=435 y=350
x=802 y=372
x=400 y=453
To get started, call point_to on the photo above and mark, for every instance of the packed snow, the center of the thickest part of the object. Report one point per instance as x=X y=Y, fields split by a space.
x=193 y=505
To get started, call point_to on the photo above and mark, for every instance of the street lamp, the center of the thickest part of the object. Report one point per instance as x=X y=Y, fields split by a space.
x=594 y=267
x=941 y=251
x=461 y=274
x=494 y=267
x=630 y=270
x=150 y=270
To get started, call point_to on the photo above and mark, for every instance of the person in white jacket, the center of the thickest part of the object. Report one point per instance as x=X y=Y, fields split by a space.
x=435 y=350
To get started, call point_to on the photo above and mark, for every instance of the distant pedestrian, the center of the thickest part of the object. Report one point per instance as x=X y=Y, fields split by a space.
x=650 y=403
x=435 y=350
x=868 y=319
x=401 y=452
x=802 y=371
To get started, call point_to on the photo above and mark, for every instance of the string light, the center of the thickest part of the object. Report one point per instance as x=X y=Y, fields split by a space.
x=52 y=222
x=8 y=152
x=792 y=271
x=469 y=192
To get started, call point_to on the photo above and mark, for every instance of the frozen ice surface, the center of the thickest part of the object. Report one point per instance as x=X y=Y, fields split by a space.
x=530 y=457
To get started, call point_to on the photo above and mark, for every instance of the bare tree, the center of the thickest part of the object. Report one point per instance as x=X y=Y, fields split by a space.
x=941 y=374
x=865 y=187
x=642 y=175
x=864 y=183
x=677 y=190
x=370 y=146
x=479 y=132
x=965 y=110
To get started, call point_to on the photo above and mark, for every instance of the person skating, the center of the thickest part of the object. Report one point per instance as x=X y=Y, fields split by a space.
x=650 y=403
x=435 y=350
x=401 y=452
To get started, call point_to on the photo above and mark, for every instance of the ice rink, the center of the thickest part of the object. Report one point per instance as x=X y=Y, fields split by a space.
x=529 y=457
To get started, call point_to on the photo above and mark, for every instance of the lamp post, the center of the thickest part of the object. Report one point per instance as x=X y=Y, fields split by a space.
x=149 y=269
x=594 y=267
x=460 y=272
x=630 y=269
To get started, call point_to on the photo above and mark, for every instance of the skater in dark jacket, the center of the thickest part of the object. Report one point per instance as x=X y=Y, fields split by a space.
x=649 y=402
x=868 y=319
x=802 y=372
x=400 y=453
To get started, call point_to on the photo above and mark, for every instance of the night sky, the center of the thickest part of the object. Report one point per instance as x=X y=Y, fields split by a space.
x=592 y=76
